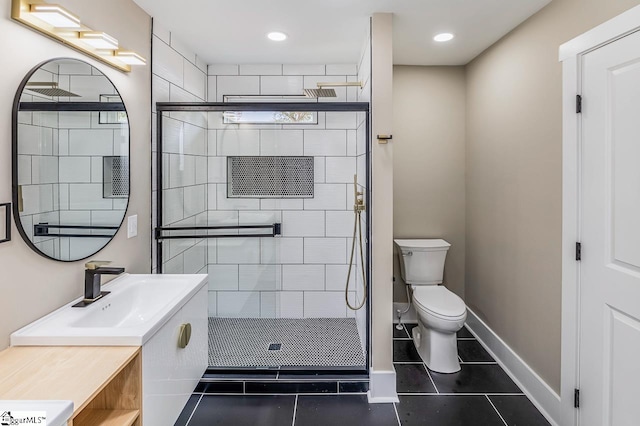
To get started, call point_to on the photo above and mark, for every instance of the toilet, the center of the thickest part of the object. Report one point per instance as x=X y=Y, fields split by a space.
x=441 y=313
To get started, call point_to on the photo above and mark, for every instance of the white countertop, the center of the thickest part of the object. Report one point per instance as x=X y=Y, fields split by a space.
x=137 y=307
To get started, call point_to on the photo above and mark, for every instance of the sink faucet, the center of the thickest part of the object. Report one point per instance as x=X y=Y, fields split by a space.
x=95 y=269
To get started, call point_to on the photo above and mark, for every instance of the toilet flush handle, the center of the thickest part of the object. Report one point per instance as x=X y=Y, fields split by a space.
x=407 y=253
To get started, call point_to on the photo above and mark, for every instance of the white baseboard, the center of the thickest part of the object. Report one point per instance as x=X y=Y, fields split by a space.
x=408 y=317
x=546 y=400
x=382 y=387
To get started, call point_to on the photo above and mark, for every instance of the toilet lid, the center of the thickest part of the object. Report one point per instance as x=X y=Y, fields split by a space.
x=439 y=301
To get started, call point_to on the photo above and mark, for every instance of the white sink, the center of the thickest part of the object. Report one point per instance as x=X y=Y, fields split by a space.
x=57 y=413
x=135 y=310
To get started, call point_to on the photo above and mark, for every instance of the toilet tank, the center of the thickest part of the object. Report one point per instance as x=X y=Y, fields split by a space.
x=422 y=261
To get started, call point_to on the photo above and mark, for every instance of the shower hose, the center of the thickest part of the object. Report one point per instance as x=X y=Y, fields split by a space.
x=357 y=229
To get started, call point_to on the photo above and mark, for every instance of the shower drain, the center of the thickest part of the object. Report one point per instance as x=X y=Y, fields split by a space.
x=275 y=346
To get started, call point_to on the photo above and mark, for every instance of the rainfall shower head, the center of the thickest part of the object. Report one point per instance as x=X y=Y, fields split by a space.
x=49 y=89
x=321 y=92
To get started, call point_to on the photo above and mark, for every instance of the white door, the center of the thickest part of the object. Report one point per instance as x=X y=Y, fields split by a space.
x=610 y=228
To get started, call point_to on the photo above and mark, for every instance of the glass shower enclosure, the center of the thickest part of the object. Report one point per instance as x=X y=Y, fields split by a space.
x=260 y=196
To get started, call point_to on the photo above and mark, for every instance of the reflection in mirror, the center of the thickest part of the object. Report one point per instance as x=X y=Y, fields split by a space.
x=71 y=160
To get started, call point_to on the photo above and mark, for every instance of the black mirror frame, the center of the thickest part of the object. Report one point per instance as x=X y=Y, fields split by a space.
x=14 y=160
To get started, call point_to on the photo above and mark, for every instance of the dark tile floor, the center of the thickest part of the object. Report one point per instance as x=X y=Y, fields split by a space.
x=480 y=394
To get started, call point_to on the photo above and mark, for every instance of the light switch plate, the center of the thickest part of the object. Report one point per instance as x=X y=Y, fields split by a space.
x=132 y=226
x=5 y=222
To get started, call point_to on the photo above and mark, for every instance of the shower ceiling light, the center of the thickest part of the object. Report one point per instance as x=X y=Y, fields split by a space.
x=55 y=15
x=130 y=58
x=99 y=40
x=442 y=37
x=277 y=36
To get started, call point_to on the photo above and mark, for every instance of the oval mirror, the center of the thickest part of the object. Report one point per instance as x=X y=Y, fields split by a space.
x=70 y=159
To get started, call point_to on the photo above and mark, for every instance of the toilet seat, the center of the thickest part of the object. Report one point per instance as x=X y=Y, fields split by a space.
x=440 y=302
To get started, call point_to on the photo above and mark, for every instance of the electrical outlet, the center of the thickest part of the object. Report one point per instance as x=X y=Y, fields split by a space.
x=132 y=226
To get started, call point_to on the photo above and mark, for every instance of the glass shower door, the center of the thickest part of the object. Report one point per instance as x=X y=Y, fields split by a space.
x=266 y=209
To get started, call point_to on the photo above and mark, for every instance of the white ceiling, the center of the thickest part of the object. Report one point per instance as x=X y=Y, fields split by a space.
x=333 y=31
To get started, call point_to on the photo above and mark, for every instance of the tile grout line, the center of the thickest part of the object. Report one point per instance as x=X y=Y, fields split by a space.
x=295 y=409
x=194 y=410
x=431 y=378
x=279 y=394
x=406 y=331
x=498 y=412
x=459 y=394
x=419 y=393
x=395 y=408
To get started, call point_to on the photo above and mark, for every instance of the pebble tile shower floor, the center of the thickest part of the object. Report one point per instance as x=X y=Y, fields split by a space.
x=481 y=394
x=314 y=342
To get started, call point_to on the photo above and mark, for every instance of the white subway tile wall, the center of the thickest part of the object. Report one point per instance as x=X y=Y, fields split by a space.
x=303 y=277
x=282 y=250
x=324 y=304
x=178 y=75
x=301 y=273
x=239 y=304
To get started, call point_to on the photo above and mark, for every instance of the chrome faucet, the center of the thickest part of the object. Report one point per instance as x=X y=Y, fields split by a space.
x=94 y=270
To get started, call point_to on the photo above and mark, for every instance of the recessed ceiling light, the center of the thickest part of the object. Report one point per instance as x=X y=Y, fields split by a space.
x=443 y=37
x=277 y=36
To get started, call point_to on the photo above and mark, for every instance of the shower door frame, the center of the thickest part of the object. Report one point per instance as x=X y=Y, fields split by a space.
x=166 y=107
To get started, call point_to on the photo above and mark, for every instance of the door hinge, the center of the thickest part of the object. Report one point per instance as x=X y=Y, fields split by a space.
x=578 y=251
x=578 y=104
x=576 y=398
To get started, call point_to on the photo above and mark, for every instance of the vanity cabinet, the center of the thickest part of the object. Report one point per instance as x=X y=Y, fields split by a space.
x=170 y=373
x=104 y=383
x=155 y=313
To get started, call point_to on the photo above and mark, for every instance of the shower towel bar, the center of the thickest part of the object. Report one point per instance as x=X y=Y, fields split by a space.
x=275 y=230
x=42 y=230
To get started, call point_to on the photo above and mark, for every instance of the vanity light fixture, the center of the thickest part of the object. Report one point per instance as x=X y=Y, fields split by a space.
x=62 y=25
x=55 y=15
x=99 y=40
x=442 y=37
x=130 y=58
x=277 y=36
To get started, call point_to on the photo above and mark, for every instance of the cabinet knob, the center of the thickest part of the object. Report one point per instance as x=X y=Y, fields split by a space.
x=184 y=336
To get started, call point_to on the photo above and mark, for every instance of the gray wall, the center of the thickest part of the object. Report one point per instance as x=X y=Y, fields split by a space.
x=514 y=157
x=30 y=285
x=429 y=163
